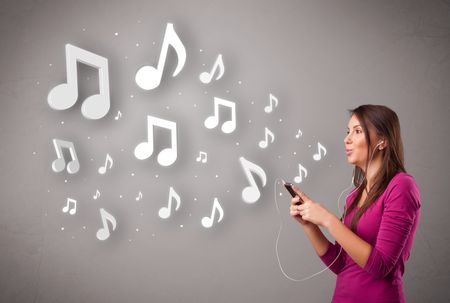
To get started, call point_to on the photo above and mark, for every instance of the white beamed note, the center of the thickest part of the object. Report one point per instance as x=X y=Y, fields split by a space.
x=59 y=163
x=167 y=156
x=212 y=121
x=251 y=194
x=148 y=77
x=65 y=95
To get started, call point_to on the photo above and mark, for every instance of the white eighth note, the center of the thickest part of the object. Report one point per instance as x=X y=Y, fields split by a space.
x=251 y=193
x=206 y=77
x=145 y=149
x=318 y=156
x=267 y=134
x=104 y=233
x=207 y=222
x=148 y=77
x=164 y=212
x=64 y=96
x=102 y=169
x=272 y=100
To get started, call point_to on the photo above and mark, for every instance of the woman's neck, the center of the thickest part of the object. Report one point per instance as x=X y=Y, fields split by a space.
x=372 y=171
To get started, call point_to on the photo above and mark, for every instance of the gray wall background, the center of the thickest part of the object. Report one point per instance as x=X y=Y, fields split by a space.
x=319 y=58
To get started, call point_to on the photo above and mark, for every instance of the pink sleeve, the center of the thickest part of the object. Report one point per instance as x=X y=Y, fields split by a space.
x=401 y=206
x=330 y=256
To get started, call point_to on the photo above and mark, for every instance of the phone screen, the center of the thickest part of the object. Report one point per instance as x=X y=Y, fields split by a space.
x=291 y=191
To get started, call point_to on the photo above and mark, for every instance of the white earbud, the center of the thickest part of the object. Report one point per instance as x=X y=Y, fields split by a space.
x=379 y=143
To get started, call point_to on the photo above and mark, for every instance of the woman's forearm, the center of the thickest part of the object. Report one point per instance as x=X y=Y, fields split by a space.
x=317 y=238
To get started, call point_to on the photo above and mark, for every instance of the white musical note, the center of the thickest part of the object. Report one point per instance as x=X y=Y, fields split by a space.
x=299 y=134
x=318 y=156
x=64 y=96
x=251 y=193
x=104 y=233
x=272 y=100
x=206 y=77
x=97 y=194
x=212 y=121
x=207 y=222
x=66 y=208
x=102 y=169
x=164 y=212
x=119 y=114
x=148 y=77
x=202 y=157
x=59 y=164
x=299 y=178
x=139 y=197
x=265 y=143
x=144 y=149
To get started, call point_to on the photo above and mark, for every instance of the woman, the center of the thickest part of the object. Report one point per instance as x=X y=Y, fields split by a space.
x=374 y=240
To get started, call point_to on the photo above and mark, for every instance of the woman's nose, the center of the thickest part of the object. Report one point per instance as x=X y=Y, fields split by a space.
x=347 y=139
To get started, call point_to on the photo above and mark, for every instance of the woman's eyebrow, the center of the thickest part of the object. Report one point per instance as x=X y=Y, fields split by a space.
x=355 y=126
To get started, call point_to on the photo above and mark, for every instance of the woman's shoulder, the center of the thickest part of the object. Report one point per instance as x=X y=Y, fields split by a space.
x=403 y=185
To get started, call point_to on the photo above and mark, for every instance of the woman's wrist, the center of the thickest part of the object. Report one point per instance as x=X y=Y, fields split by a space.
x=329 y=221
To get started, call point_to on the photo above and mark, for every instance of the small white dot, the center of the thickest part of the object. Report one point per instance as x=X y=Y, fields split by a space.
x=206 y=92
x=65 y=181
x=253 y=102
x=121 y=149
x=228 y=91
x=137 y=44
x=131 y=96
x=50 y=64
x=84 y=227
x=116 y=34
x=89 y=138
x=84 y=29
x=62 y=122
x=228 y=190
x=92 y=159
x=156 y=176
x=195 y=176
x=249 y=121
x=45 y=214
x=281 y=194
x=201 y=50
x=204 y=64
x=179 y=93
x=48 y=190
x=129 y=240
x=120 y=196
x=62 y=228
x=73 y=237
x=132 y=174
x=309 y=146
x=34 y=153
x=237 y=143
x=217 y=176
x=154 y=43
x=153 y=235
x=137 y=229
x=167 y=107
x=190 y=215
x=279 y=157
x=195 y=199
x=281 y=120
x=195 y=105
x=181 y=225
x=294 y=153
x=240 y=82
x=126 y=57
x=139 y=21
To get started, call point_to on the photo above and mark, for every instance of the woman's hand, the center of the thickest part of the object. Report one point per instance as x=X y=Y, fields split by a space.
x=309 y=211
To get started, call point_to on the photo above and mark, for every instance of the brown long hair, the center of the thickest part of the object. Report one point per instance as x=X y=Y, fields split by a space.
x=382 y=122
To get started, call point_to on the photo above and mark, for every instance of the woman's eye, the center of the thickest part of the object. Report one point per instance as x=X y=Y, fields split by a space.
x=358 y=131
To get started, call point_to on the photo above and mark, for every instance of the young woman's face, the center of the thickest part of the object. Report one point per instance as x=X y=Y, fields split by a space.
x=355 y=143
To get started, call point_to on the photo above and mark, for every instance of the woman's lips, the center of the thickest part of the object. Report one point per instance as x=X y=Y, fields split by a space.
x=348 y=152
